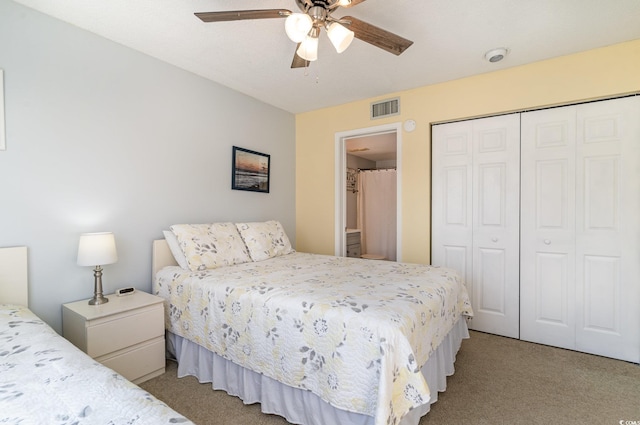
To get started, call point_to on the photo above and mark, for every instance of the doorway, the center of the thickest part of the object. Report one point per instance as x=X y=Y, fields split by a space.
x=375 y=148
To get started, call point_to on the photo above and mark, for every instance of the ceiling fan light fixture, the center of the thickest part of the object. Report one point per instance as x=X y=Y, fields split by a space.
x=344 y=3
x=297 y=26
x=308 y=49
x=340 y=36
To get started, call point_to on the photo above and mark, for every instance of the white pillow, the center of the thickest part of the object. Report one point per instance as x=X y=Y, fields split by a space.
x=265 y=239
x=209 y=246
x=174 y=246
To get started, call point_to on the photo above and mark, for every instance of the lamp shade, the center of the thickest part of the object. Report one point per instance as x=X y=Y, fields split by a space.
x=308 y=49
x=340 y=37
x=97 y=249
x=297 y=26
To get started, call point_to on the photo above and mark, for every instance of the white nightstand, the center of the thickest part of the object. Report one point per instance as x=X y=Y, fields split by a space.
x=126 y=334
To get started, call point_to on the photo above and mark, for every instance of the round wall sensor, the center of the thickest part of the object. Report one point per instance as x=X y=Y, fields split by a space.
x=495 y=55
x=409 y=125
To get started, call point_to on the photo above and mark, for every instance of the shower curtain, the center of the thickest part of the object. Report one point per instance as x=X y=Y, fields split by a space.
x=377 y=212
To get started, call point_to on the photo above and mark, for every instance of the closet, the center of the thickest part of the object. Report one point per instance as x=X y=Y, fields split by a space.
x=540 y=212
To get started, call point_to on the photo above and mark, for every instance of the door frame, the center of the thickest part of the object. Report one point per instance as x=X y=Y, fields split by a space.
x=340 y=180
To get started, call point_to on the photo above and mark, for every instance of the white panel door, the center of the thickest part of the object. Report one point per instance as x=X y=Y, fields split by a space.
x=608 y=228
x=475 y=183
x=547 y=227
x=496 y=201
x=451 y=217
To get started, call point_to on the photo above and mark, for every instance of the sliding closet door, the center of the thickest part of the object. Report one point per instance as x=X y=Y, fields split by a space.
x=580 y=247
x=475 y=217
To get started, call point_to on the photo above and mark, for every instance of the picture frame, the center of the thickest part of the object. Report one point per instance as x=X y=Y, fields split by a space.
x=250 y=170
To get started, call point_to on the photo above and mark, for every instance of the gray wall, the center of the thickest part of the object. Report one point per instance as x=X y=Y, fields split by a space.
x=103 y=138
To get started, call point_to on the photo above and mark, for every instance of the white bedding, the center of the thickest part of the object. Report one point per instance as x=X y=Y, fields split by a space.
x=355 y=333
x=44 y=379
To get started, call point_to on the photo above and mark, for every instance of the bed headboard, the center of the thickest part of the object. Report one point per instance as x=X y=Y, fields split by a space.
x=13 y=276
x=161 y=257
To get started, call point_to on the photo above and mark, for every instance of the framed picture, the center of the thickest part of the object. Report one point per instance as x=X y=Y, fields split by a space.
x=250 y=170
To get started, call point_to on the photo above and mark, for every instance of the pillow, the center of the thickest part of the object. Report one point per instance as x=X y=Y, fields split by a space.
x=264 y=239
x=174 y=246
x=209 y=246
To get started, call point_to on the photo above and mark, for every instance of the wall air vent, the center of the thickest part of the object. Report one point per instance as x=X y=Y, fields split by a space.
x=385 y=108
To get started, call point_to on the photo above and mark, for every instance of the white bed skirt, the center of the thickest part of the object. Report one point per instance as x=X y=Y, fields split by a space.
x=301 y=406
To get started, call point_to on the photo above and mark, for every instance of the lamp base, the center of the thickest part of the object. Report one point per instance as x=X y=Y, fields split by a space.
x=98 y=298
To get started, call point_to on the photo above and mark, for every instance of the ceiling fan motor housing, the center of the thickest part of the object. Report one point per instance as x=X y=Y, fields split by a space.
x=319 y=15
x=327 y=5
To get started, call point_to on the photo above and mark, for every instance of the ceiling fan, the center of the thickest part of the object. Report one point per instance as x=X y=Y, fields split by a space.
x=304 y=28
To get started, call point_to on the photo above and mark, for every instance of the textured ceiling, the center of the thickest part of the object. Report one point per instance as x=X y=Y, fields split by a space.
x=450 y=40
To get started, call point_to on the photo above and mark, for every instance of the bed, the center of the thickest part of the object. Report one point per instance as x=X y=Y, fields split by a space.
x=44 y=379
x=316 y=339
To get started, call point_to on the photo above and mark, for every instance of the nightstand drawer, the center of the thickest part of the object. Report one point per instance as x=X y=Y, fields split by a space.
x=125 y=331
x=139 y=364
x=354 y=250
x=353 y=238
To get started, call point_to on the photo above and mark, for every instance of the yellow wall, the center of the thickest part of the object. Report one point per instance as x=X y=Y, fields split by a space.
x=598 y=73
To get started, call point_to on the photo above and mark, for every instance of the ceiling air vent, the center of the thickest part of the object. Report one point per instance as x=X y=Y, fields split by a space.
x=385 y=108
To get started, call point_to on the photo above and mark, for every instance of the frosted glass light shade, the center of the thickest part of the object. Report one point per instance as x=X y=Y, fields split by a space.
x=97 y=249
x=340 y=37
x=308 y=49
x=297 y=26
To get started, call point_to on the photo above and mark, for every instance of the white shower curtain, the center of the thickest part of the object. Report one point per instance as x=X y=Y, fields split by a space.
x=377 y=212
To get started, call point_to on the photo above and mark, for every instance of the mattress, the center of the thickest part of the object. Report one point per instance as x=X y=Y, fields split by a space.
x=44 y=379
x=355 y=333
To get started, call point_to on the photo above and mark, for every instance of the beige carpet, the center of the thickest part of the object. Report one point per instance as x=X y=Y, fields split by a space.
x=497 y=381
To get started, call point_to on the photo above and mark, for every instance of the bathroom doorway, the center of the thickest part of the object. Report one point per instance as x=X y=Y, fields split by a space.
x=368 y=193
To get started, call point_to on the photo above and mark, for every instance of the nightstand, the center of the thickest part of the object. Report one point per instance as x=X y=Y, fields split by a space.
x=353 y=243
x=126 y=334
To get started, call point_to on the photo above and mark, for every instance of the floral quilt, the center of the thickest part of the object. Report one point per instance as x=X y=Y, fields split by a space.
x=44 y=379
x=354 y=332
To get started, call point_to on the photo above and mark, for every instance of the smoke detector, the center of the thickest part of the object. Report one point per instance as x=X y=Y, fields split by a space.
x=496 y=55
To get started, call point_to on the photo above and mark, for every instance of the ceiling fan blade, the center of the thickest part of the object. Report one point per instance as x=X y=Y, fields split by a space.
x=298 y=62
x=378 y=37
x=239 y=15
x=354 y=3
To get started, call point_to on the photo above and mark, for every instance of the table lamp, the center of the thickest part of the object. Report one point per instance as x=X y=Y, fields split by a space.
x=97 y=249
